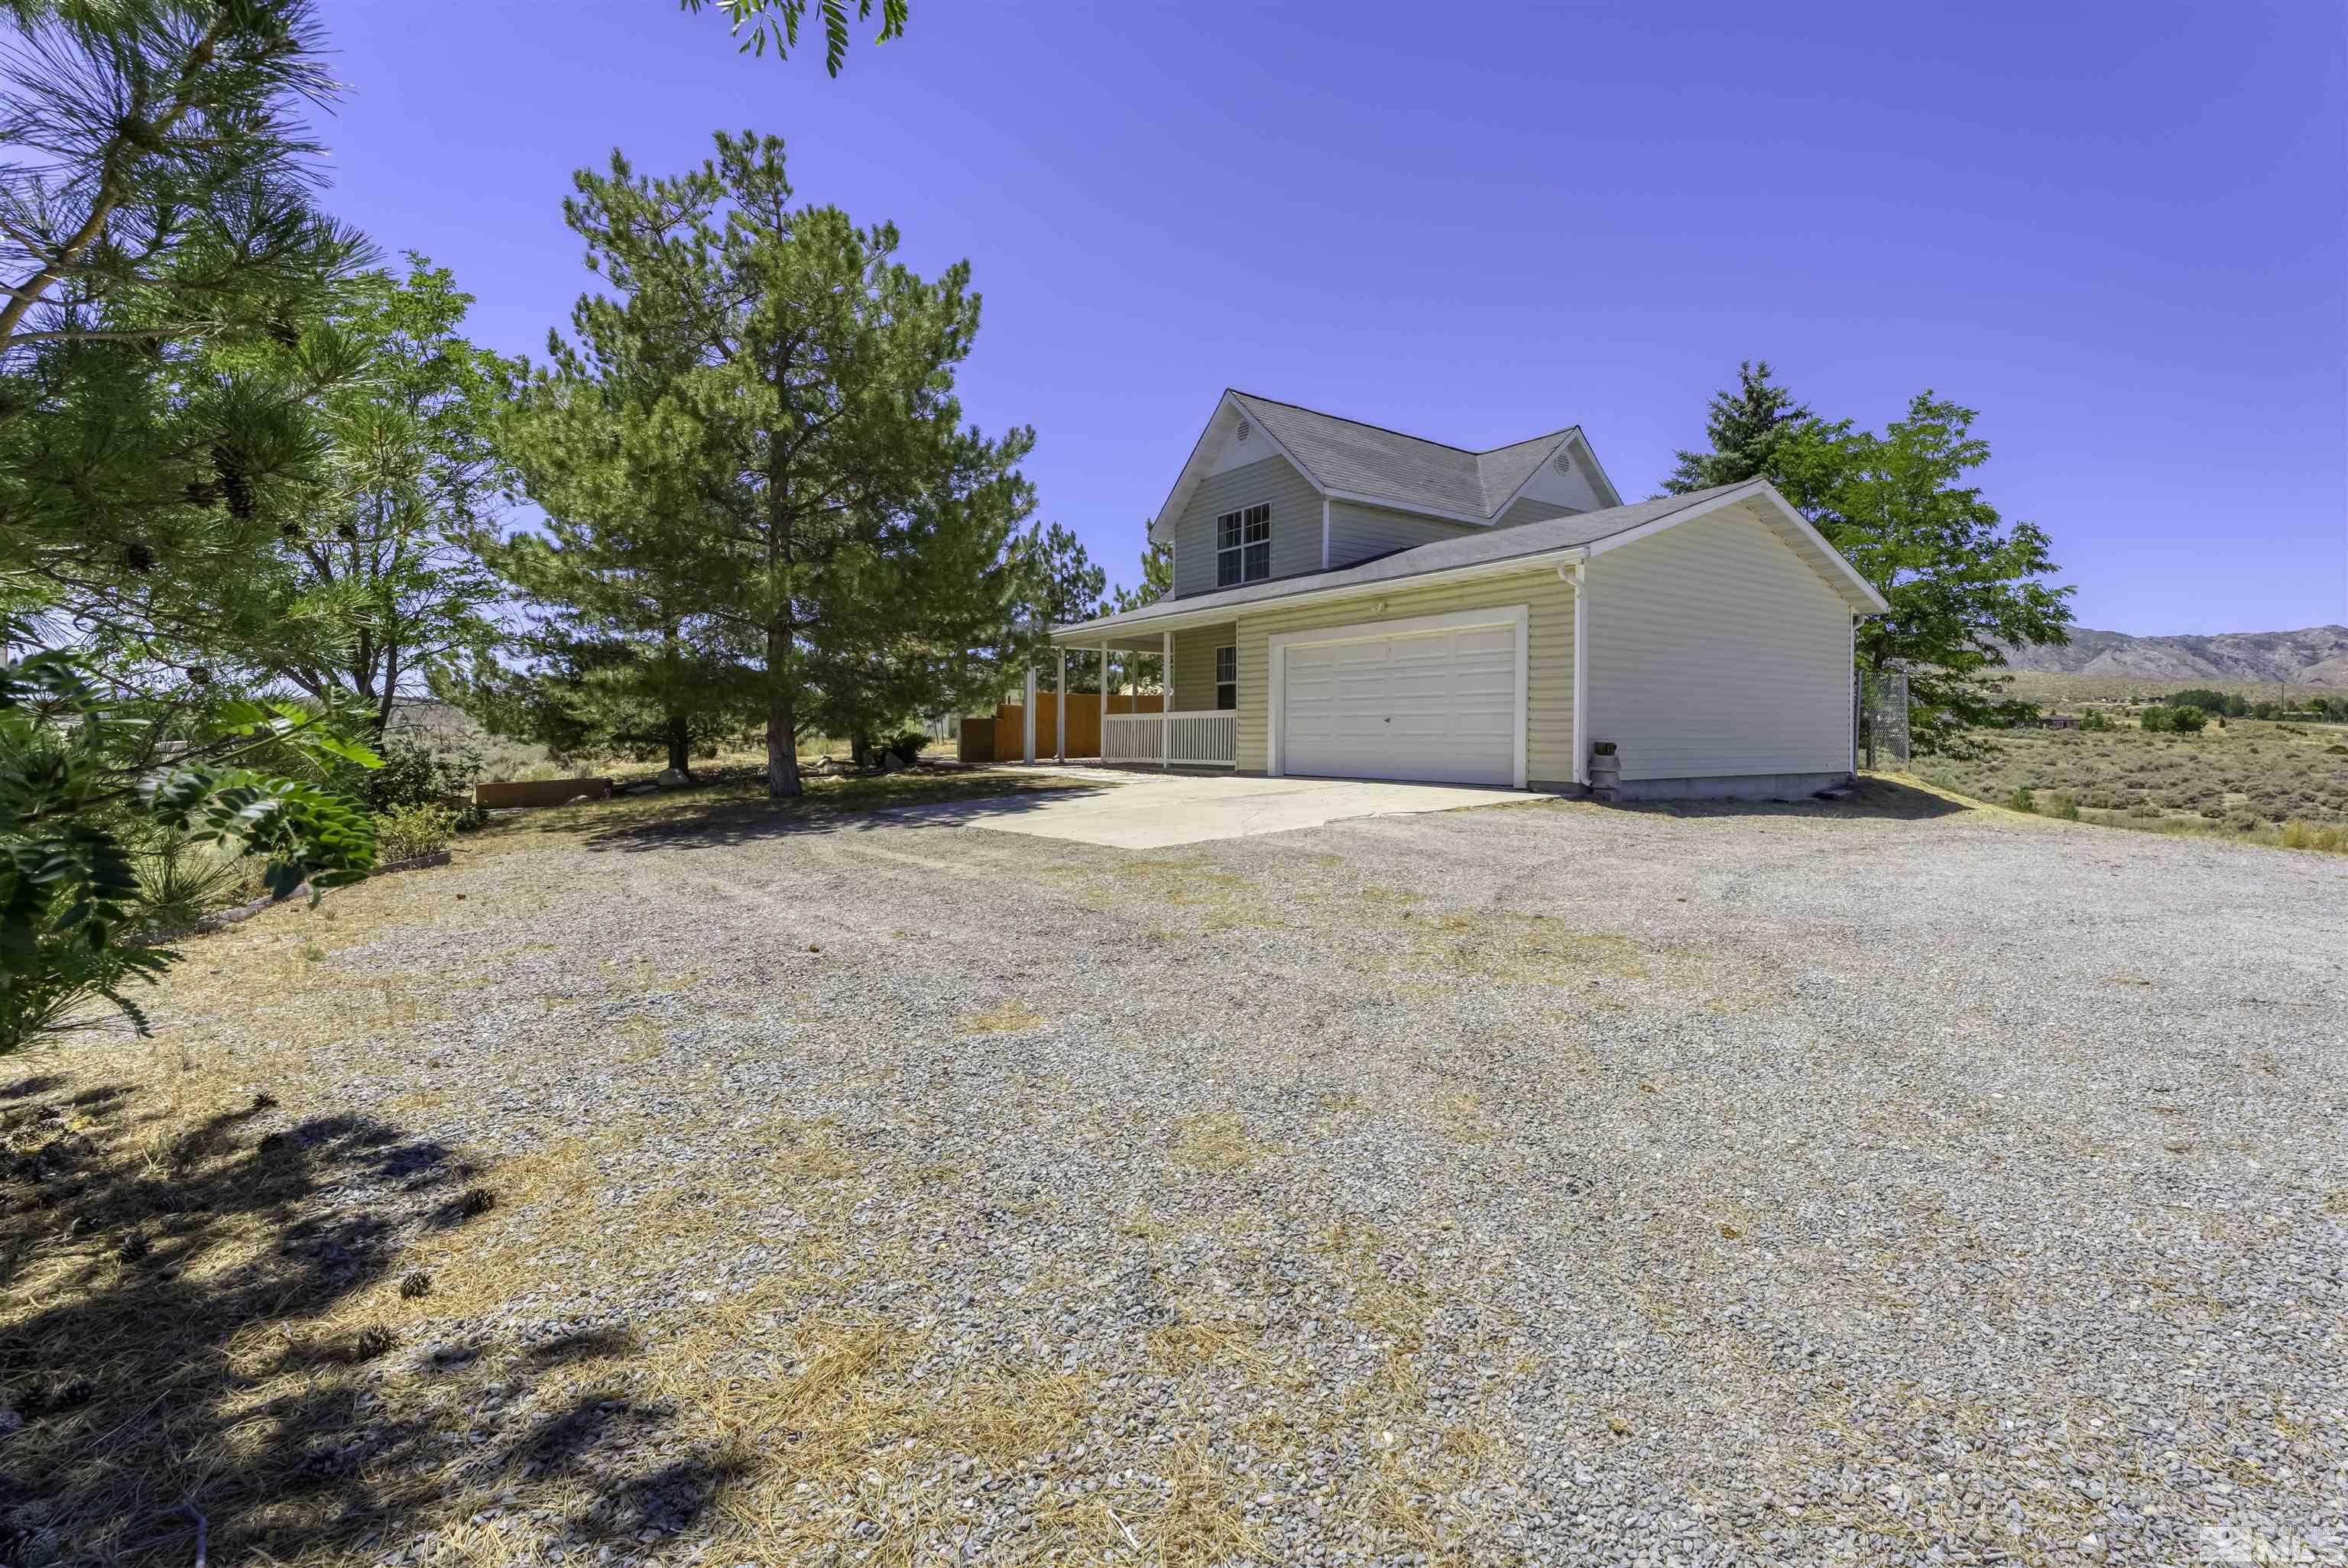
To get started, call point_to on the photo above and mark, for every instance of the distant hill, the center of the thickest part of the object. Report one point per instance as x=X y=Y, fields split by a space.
x=2316 y=656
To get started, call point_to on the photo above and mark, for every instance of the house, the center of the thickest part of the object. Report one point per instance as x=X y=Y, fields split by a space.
x=1356 y=603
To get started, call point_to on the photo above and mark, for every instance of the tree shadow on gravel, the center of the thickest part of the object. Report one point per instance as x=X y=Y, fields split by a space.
x=726 y=822
x=1874 y=798
x=186 y=1339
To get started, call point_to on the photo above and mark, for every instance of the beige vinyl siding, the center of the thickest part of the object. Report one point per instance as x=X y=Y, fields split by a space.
x=1357 y=533
x=1194 y=665
x=1295 y=522
x=1715 y=649
x=1529 y=510
x=1549 y=599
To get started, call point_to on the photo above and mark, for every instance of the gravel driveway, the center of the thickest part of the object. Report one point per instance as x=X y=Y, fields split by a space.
x=1884 y=1183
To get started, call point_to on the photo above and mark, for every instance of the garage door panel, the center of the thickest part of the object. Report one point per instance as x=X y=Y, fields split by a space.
x=1442 y=704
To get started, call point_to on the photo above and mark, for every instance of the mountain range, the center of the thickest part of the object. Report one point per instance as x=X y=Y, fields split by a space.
x=2314 y=656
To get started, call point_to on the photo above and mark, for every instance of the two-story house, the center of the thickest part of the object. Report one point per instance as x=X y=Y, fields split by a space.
x=1352 y=603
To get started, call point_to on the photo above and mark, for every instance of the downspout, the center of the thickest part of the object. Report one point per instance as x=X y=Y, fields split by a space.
x=1856 y=694
x=1578 y=574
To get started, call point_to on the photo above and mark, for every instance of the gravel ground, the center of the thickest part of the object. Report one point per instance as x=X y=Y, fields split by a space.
x=1544 y=1183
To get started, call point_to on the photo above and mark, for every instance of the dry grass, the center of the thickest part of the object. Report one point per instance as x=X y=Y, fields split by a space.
x=1216 y=1141
x=1005 y=1017
x=2249 y=780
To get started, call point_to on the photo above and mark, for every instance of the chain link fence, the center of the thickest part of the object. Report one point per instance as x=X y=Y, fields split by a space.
x=1883 y=719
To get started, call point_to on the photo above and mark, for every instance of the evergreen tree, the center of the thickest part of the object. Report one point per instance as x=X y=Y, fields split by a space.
x=1157 y=575
x=799 y=480
x=1963 y=583
x=1065 y=587
x=1746 y=427
x=161 y=333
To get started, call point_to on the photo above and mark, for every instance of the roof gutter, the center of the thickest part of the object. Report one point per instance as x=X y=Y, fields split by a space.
x=1139 y=621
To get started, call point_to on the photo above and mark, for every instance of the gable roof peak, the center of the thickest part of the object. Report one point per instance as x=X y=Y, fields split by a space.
x=1409 y=471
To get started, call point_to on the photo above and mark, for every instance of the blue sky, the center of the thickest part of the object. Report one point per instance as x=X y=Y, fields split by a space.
x=2120 y=231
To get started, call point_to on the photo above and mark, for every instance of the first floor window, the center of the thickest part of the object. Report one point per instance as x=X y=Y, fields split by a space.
x=1227 y=678
x=1244 y=546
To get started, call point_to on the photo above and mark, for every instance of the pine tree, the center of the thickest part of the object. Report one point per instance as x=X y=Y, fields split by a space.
x=1157 y=575
x=161 y=333
x=788 y=471
x=1065 y=587
x=1746 y=427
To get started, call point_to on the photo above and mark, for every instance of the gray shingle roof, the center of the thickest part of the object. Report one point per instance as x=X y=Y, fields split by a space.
x=1478 y=548
x=1370 y=461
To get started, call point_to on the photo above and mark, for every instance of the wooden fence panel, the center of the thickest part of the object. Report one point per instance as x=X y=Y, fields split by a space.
x=1084 y=723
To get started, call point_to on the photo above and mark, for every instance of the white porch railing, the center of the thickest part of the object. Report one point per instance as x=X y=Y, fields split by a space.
x=1207 y=739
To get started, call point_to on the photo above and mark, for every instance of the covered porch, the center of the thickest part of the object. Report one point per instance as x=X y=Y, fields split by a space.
x=1197 y=723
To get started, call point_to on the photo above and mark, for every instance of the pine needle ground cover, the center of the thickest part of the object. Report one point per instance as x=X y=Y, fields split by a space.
x=2249 y=780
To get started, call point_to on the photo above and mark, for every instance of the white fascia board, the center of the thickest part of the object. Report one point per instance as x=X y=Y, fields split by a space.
x=1612 y=497
x=1570 y=433
x=1141 y=623
x=1760 y=490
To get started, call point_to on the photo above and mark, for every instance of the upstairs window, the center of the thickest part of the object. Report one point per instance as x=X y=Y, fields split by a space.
x=1244 y=546
x=1227 y=678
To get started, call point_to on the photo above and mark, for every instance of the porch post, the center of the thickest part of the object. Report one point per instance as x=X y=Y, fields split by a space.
x=1104 y=683
x=1165 y=700
x=1060 y=713
x=1027 y=720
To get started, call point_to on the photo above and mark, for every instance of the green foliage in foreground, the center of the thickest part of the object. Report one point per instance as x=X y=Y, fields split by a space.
x=76 y=802
x=758 y=23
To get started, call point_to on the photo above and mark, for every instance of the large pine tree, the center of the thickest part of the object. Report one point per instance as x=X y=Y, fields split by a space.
x=781 y=455
x=162 y=321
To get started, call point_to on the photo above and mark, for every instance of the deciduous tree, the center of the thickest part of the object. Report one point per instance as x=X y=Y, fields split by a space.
x=384 y=562
x=1963 y=581
x=758 y=23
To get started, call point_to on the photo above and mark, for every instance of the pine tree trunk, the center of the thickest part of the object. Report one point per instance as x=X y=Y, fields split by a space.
x=680 y=745
x=782 y=720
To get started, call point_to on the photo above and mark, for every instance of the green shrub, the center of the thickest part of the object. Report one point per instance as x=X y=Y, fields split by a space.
x=2097 y=718
x=414 y=773
x=2023 y=800
x=2187 y=720
x=408 y=832
x=2063 y=804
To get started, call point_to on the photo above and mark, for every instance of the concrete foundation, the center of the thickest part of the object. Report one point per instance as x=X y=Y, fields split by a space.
x=1734 y=786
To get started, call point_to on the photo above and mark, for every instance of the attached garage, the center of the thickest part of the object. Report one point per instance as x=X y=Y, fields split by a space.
x=1700 y=643
x=1437 y=698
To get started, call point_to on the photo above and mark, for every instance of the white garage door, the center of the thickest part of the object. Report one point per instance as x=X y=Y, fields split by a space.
x=1437 y=704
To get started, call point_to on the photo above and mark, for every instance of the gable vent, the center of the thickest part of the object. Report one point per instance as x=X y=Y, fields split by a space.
x=1245 y=430
x=1562 y=462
